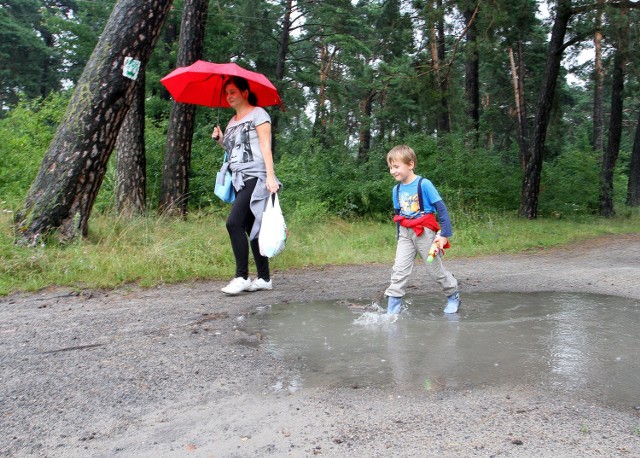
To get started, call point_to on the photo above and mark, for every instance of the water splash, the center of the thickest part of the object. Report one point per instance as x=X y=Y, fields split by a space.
x=375 y=319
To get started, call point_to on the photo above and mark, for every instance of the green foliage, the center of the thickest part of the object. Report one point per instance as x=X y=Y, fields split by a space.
x=342 y=54
x=332 y=180
x=347 y=188
x=22 y=51
x=467 y=179
x=570 y=185
x=206 y=159
x=45 y=44
x=25 y=135
x=105 y=199
x=321 y=181
x=77 y=33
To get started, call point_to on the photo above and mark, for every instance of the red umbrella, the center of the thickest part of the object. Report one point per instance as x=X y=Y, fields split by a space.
x=201 y=84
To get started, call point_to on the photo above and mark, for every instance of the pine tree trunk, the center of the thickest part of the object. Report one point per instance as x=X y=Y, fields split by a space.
x=533 y=171
x=131 y=174
x=438 y=49
x=522 y=113
x=610 y=155
x=472 y=72
x=45 y=80
x=169 y=37
x=365 y=128
x=518 y=97
x=283 y=50
x=174 y=191
x=633 y=187
x=63 y=193
x=319 y=129
x=598 y=84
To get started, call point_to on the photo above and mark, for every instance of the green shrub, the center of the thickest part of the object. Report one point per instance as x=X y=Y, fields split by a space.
x=25 y=134
x=480 y=179
x=321 y=181
x=570 y=185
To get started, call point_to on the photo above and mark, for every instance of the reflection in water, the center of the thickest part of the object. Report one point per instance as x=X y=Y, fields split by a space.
x=574 y=342
x=569 y=343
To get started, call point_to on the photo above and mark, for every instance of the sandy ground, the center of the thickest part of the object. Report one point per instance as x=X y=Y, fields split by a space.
x=169 y=371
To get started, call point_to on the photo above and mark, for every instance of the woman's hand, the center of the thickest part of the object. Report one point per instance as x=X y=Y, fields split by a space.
x=272 y=184
x=217 y=134
x=264 y=136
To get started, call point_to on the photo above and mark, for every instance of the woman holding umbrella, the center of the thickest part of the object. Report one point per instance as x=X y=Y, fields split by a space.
x=247 y=143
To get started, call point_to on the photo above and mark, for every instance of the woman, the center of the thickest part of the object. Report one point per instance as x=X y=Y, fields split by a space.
x=247 y=142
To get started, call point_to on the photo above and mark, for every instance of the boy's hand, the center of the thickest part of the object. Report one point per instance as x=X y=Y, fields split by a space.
x=441 y=241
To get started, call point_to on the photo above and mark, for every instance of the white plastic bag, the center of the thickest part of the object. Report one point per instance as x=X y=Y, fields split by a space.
x=273 y=230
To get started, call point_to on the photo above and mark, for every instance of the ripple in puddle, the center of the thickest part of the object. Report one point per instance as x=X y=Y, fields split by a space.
x=583 y=343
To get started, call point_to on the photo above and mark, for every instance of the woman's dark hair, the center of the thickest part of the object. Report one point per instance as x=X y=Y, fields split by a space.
x=242 y=84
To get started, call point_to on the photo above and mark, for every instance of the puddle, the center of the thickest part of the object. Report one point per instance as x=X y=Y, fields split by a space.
x=583 y=343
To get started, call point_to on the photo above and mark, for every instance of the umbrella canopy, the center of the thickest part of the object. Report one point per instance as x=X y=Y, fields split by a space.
x=201 y=84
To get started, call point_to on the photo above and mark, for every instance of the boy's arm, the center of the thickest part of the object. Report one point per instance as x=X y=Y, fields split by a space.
x=395 y=198
x=443 y=218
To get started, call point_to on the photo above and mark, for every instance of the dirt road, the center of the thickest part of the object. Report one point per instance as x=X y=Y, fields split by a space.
x=169 y=371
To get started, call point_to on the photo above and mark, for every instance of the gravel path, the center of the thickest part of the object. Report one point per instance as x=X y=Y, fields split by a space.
x=169 y=371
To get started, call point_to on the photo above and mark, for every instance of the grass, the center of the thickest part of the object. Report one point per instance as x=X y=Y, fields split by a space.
x=151 y=251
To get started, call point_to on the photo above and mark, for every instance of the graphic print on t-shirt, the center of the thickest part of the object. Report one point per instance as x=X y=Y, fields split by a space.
x=409 y=203
x=238 y=142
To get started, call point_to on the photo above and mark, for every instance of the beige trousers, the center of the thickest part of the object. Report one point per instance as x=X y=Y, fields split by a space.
x=409 y=246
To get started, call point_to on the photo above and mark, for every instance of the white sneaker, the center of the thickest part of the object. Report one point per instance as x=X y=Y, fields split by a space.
x=259 y=284
x=237 y=285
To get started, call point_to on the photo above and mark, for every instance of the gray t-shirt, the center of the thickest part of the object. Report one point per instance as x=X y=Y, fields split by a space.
x=240 y=139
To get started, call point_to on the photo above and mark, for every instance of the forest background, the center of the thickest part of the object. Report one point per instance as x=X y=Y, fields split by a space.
x=517 y=110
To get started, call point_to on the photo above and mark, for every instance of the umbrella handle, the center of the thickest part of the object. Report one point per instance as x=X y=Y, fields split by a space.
x=217 y=137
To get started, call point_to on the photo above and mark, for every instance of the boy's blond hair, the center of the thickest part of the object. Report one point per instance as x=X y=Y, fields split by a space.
x=402 y=153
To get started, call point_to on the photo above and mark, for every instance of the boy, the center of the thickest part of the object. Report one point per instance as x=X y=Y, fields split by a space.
x=415 y=201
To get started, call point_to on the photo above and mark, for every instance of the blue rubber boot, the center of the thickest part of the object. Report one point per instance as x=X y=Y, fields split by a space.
x=394 y=305
x=453 y=302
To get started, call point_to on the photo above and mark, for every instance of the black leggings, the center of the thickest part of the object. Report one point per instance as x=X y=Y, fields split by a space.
x=239 y=224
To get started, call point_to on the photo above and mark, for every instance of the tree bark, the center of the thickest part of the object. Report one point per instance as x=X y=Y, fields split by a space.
x=614 y=134
x=283 y=50
x=522 y=115
x=633 y=187
x=598 y=84
x=533 y=171
x=169 y=37
x=174 y=190
x=320 y=123
x=131 y=175
x=73 y=168
x=364 y=145
x=516 y=96
x=438 y=48
x=472 y=71
x=517 y=76
x=46 y=78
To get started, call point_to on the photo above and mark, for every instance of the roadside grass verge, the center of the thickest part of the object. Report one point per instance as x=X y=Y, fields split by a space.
x=150 y=251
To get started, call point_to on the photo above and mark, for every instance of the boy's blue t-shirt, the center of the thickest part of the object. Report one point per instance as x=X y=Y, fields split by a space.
x=407 y=198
